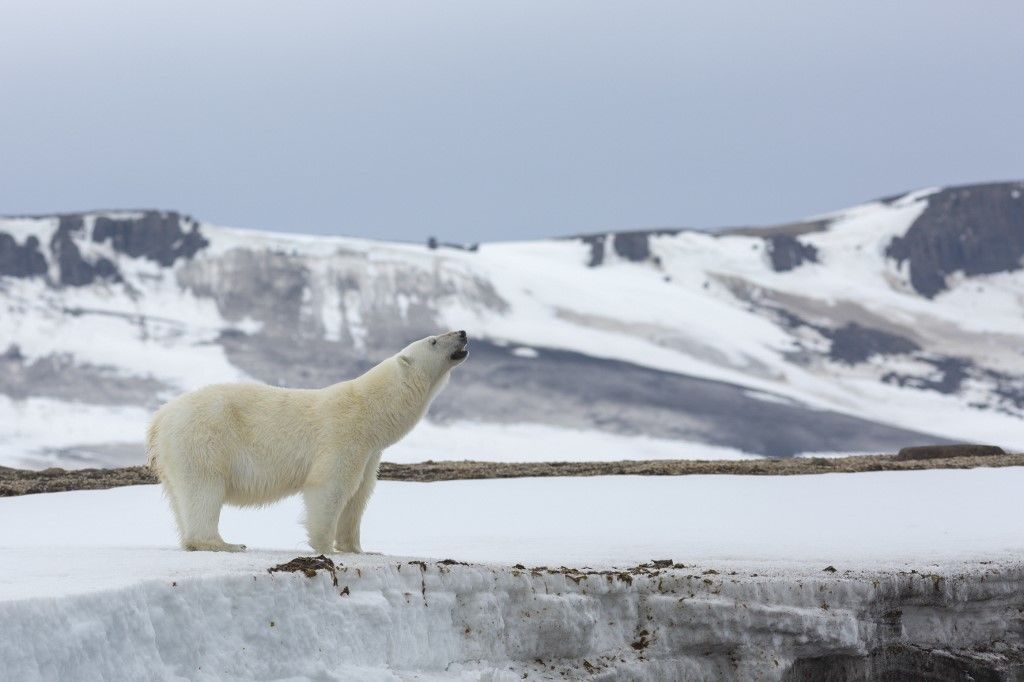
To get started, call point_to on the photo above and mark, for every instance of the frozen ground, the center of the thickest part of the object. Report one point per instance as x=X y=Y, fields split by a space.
x=91 y=584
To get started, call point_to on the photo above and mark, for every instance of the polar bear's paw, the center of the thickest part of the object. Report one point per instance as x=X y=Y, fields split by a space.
x=347 y=549
x=212 y=546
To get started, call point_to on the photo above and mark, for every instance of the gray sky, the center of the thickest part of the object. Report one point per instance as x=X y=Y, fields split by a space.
x=482 y=120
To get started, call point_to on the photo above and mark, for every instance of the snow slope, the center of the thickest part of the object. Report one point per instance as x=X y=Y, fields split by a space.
x=671 y=343
x=91 y=586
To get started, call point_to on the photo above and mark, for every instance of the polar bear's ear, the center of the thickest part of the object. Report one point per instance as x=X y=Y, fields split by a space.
x=405 y=360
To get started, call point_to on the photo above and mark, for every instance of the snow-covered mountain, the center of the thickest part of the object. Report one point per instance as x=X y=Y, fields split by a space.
x=896 y=322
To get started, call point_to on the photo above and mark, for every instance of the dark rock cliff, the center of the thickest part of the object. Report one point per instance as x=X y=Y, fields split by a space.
x=787 y=252
x=75 y=270
x=156 y=235
x=21 y=260
x=633 y=245
x=977 y=229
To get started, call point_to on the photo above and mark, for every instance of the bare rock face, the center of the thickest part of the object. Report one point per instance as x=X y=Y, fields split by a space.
x=21 y=260
x=157 y=236
x=976 y=229
x=154 y=235
x=634 y=245
x=853 y=343
x=788 y=252
x=76 y=270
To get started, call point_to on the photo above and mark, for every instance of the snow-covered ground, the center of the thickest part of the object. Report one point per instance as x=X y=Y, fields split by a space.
x=91 y=583
x=853 y=519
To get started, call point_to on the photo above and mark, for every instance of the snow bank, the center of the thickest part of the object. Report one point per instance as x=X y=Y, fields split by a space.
x=393 y=620
x=927 y=575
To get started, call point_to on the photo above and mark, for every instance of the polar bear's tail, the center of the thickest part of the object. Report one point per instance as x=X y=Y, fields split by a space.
x=151 y=434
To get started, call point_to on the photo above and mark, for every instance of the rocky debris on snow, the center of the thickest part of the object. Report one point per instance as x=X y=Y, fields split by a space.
x=55 y=479
x=308 y=566
x=949 y=451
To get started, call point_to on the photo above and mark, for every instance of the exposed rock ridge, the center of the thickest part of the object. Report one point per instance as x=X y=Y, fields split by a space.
x=164 y=237
x=976 y=229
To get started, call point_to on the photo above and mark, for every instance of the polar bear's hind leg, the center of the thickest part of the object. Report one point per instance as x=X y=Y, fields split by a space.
x=199 y=509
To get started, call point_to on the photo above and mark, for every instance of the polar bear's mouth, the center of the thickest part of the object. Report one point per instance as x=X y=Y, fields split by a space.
x=462 y=340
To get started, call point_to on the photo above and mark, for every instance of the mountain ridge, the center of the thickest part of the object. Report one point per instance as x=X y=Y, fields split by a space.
x=841 y=333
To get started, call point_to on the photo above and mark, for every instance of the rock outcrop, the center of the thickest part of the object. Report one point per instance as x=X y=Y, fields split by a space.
x=977 y=230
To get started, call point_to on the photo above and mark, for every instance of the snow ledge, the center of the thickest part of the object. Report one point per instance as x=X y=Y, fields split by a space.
x=390 y=618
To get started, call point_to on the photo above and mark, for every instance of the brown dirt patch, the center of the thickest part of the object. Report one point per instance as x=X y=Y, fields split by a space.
x=308 y=566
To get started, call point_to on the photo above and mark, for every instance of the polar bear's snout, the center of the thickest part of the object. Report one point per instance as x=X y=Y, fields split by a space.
x=461 y=341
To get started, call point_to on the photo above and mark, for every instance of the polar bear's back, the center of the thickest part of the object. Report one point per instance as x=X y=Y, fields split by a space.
x=242 y=409
x=259 y=439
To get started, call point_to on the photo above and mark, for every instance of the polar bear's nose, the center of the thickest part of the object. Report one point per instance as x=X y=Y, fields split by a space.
x=462 y=333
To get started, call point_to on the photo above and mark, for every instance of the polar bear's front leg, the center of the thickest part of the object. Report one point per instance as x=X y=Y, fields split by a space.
x=347 y=537
x=323 y=507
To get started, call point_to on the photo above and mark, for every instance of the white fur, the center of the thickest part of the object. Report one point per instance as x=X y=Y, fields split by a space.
x=251 y=444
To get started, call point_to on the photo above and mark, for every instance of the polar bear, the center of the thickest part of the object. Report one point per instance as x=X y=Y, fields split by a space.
x=252 y=444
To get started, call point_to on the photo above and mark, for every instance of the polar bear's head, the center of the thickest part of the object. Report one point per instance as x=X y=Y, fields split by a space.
x=435 y=356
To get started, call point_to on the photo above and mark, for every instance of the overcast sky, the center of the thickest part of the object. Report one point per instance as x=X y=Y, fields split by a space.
x=486 y=120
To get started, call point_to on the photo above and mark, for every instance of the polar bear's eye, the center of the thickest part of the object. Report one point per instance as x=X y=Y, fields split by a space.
x=433 y=342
